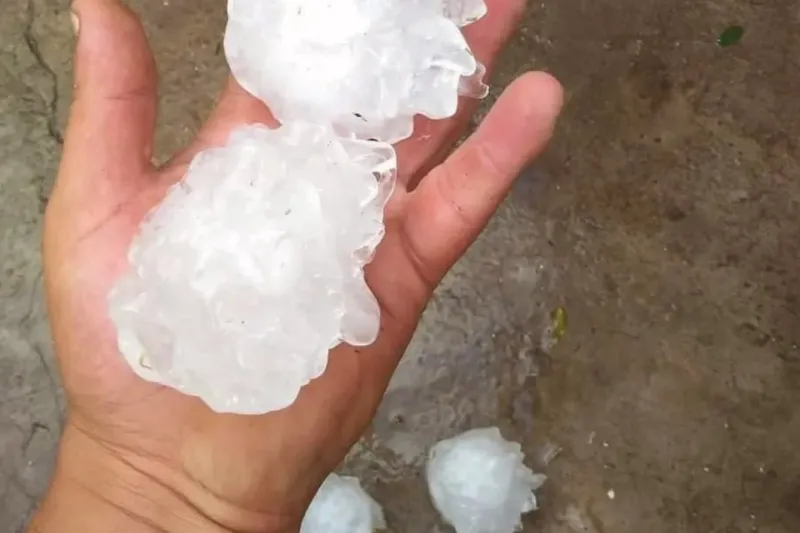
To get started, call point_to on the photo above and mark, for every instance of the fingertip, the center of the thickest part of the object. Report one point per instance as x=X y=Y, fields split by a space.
x=533 y=99
x=543 y=93
x=113 y=59
x=520 y=123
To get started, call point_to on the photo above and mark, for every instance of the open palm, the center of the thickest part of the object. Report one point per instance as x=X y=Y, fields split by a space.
x=250 y=473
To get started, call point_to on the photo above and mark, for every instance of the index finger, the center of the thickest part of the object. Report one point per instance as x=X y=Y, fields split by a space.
x=450 y=208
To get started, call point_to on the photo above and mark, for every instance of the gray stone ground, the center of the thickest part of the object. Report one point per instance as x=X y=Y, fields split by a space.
x=664 y=218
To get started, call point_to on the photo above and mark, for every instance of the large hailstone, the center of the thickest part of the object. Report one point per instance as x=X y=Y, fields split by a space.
x=251 y=269
x=365 y=66
x=342 y=506
x=479 y=483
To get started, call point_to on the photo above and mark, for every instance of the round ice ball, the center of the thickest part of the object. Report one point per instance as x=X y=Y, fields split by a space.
x=342 y=506
x=365 y=66
x=251 y=268
x=479 y=484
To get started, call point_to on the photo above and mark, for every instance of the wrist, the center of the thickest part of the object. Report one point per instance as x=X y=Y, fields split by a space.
x=96 y=490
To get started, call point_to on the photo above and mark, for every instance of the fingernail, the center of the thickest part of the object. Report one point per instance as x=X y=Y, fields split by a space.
x=76 y=23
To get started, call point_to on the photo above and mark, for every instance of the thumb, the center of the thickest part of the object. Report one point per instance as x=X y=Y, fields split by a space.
x=109 y=139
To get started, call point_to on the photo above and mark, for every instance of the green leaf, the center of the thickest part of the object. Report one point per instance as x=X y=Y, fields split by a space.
x=732 y=35
x=560 y=323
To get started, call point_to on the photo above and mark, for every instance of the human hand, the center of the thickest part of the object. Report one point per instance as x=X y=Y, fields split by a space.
x=142 y=457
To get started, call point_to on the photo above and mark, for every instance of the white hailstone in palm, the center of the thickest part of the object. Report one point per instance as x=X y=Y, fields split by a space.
x=251 y=268
x=342 y=506
x=479 y=484
x=365 y=66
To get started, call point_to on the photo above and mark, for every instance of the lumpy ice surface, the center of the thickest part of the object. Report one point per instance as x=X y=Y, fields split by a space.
x=479 y=484
x=365 y=66
x=342 y=506
x=251 y=268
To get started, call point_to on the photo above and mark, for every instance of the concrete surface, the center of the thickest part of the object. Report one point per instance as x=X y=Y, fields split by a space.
x=664 y=219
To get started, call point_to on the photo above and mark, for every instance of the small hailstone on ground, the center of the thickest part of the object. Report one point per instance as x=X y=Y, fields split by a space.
x=479 y=483
x=342 y=506
x=365 y=66
x=251 y=268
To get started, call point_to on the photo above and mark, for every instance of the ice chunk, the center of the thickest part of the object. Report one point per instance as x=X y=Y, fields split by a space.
x=251 y=268
x=342 y=506
x=479 y=483
x=365 y=66
x=462 y=12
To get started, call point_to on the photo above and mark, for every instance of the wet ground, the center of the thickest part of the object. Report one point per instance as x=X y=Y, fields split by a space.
x=663 y=219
